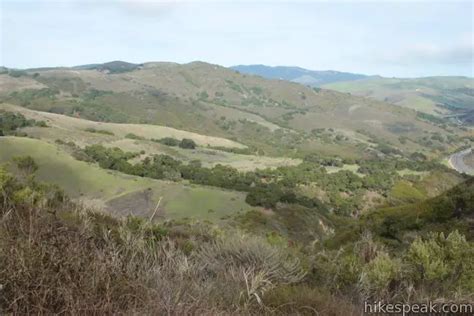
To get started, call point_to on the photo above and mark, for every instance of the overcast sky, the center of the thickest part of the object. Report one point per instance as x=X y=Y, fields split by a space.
x=396 y=38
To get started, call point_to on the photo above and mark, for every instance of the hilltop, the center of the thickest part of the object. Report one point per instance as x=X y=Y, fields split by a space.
x=300 y=75
x=211 y=191
x=271 y=117
x=449 y=97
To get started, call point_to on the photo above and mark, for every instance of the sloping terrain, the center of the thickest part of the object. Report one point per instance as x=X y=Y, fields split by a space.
x=452 y=209
x=143 y=130
x=119 y=193
x=297 y=74
x=440 y=96
x=84 y=132
x=271 y=117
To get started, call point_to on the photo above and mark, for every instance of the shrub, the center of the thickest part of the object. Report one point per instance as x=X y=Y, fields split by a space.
x=168 y=141
x=134 y=136
x=266 y=196
x=99 y=131
x=251 y=262
x=378 y=276
x=187 y=143
x=441 y=262
x=10 y=122
x=41 y=124
x=58 y=257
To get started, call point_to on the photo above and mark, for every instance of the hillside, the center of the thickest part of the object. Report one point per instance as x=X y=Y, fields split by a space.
x=453 y=209
x=120 y=194
x=89 y=261
x=296 y=74
x=440 y=96
x=270 y=117
x=137 y=137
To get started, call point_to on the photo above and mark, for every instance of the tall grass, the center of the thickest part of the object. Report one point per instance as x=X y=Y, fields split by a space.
x=57 y=257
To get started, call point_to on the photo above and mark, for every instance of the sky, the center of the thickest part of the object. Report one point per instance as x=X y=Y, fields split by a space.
x=390 y=38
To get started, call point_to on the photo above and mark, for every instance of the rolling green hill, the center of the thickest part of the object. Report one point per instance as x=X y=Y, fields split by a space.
x=271 y=117
x=252 y=184
x=122 y=194
x=84 y=132
x=300 y=75
x=440 y=96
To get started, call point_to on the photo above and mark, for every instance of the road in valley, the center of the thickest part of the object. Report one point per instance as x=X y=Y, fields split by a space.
x=456 y=161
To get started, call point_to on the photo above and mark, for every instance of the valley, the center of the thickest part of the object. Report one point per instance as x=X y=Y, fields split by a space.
x=197 y=155
x=244 y=126
x=120 y=194
x=254 y=158
x=275 y=118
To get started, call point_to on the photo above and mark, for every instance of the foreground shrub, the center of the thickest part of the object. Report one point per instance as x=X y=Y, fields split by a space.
x=56 y=257
x=440 y=263
x=248 y=262
x=433 y=267
x=379 y=276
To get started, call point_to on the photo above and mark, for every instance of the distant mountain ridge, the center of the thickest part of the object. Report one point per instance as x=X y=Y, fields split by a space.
x=297 y=74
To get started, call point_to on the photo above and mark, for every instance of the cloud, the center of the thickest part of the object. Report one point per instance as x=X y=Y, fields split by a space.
x=149 y=7
x=461 y=52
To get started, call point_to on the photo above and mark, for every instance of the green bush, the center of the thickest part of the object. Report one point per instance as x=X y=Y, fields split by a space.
x=41 y=124
x=378 y=275
x=10 y=122
x=187 y=143
x=168 y=141
x=99 y=131
x=442 y=262
x=134 y=136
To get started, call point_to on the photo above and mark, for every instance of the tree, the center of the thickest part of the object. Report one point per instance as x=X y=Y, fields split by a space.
x=266 y=196
x=169 y=141
x=187 y=143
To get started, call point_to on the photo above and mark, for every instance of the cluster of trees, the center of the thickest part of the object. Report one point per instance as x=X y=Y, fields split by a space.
x=28 y=97
x=416 y=162
x=110 y=158
x=267 y=187
x=10 y=122
x=168 y=141
x=260 y=191
x=185 y=143
x=235 y=150
x=324 y=161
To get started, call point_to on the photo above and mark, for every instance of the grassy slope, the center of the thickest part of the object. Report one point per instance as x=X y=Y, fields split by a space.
x=214 y=100
x=73 y=129
x=420 y=94
x=101 y=187
x=148 y=131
